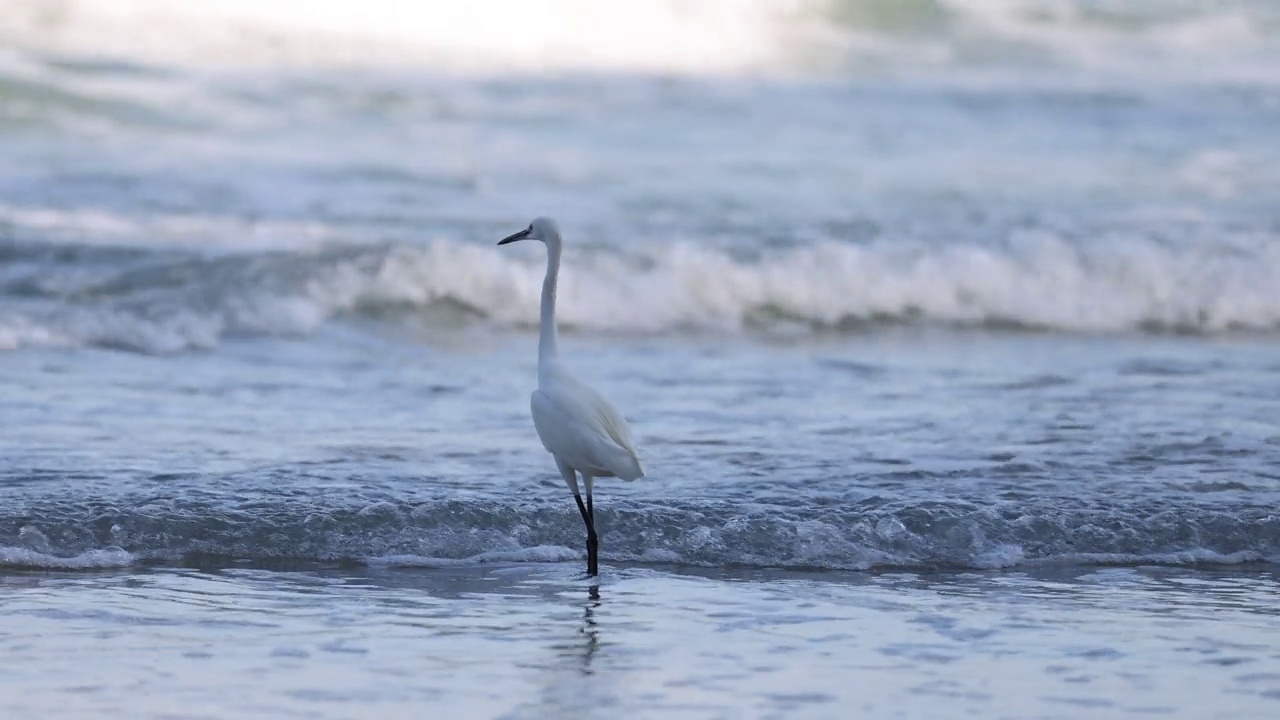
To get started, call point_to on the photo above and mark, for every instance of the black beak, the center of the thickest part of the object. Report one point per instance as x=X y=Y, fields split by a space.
x=512 y=238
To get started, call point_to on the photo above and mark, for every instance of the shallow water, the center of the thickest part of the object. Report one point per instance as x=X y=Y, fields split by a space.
x=530 y=642
x=947 y=330
x=920 y=450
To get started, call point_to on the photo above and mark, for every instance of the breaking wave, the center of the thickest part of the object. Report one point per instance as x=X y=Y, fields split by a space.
x=876 y=533
x=162 y=301
x=485 y=35
x=1230 y=40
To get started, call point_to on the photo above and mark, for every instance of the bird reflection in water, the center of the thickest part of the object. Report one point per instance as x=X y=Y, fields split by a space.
x=574 y=684
x=590 y=631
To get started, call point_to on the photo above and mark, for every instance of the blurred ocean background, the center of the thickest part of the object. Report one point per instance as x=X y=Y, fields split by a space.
x=949 y=331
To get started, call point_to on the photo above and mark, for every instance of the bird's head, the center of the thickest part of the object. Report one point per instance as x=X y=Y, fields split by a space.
x=542 y=228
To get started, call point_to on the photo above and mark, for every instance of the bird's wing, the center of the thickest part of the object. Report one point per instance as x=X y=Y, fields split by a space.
x=579 y=425
x=609 y=419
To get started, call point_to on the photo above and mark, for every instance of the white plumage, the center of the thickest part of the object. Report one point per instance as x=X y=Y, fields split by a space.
x=576 y=424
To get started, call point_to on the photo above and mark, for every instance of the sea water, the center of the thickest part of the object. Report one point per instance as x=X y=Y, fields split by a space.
x=947 y=332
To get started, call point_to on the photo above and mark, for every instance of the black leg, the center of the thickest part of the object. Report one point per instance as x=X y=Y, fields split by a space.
x=592 y=543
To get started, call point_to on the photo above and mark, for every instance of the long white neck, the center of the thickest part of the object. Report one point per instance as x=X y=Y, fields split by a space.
x=547 y=338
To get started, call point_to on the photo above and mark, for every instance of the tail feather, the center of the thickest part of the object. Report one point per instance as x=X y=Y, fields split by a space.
x=624 y=464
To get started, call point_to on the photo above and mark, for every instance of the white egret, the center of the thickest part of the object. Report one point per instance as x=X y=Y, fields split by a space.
x=581 y=430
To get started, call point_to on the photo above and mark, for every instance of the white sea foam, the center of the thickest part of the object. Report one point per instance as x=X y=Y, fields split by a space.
x=1039 y=280
x=104 y=558
x=704 y=35
x=1173 y=41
